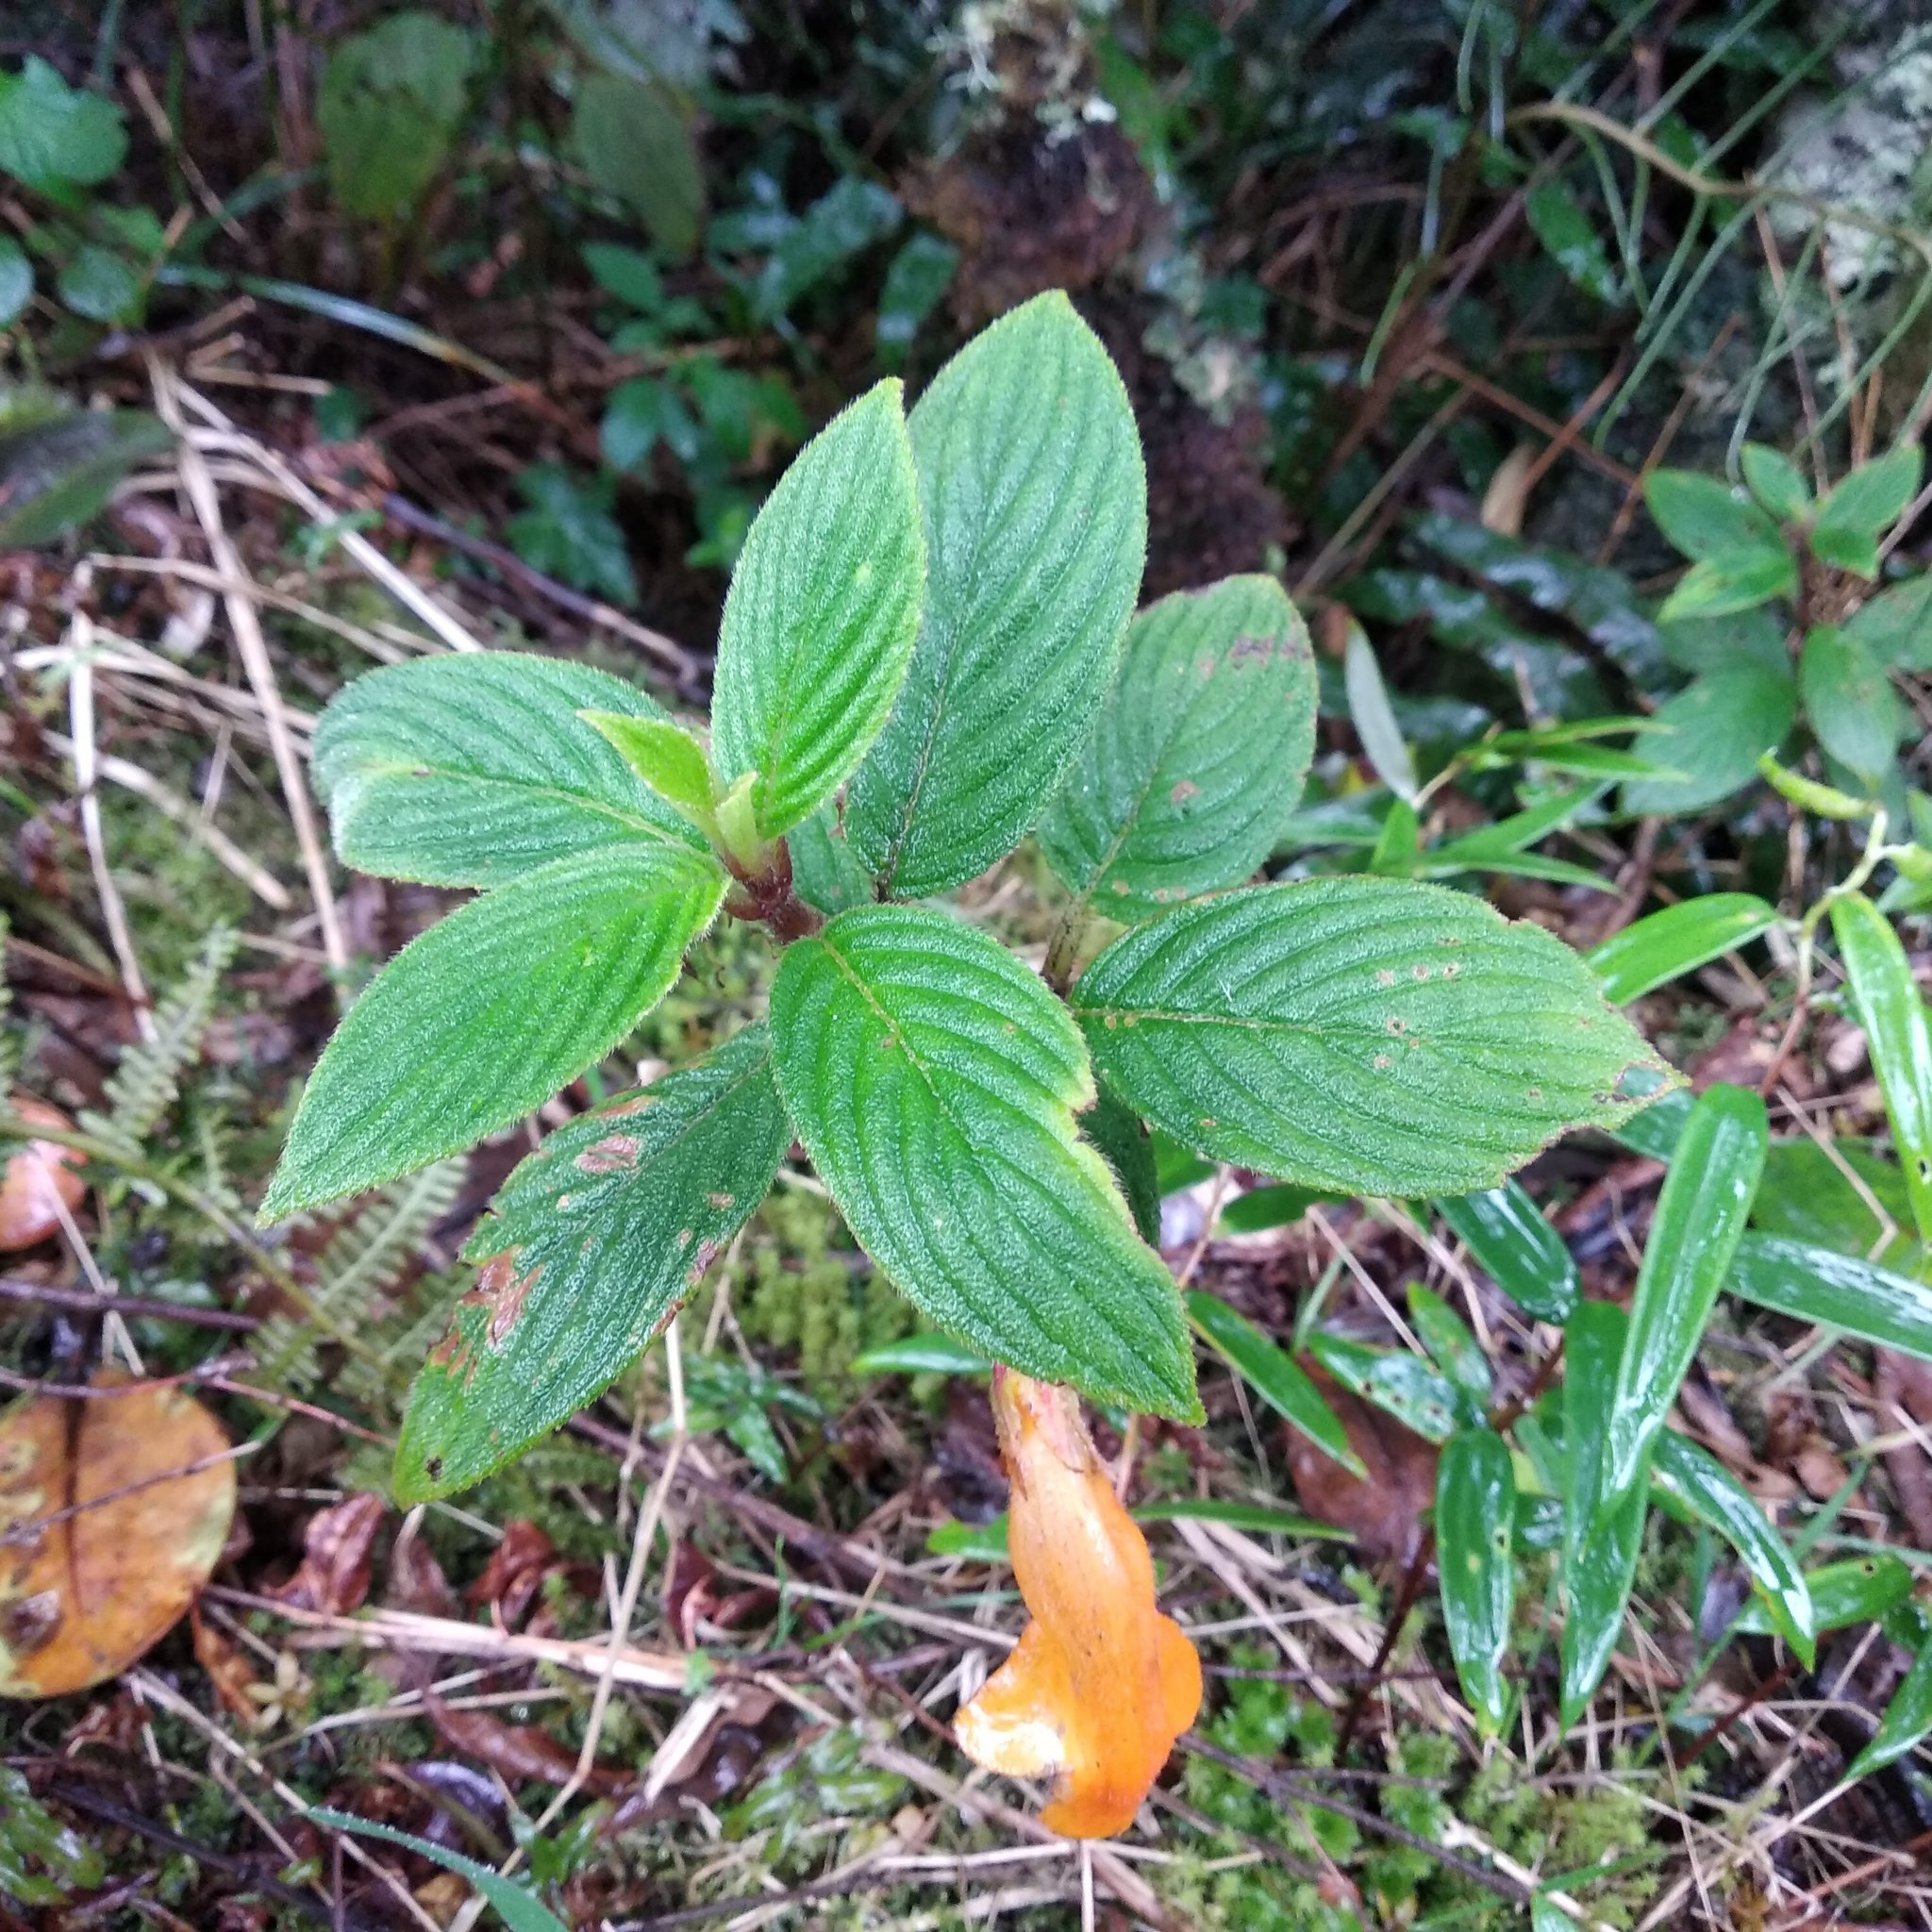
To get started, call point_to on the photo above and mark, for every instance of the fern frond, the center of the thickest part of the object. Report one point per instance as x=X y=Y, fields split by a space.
x=148 y=1079
x=364 y=1260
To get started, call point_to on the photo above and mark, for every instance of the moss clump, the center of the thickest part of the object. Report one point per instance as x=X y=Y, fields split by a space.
x=803 y=1291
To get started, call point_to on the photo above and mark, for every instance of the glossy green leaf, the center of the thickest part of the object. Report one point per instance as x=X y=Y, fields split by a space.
x=822 y=613
x=1274 y=1376
x=1867 y=502
x=1844 y=1291
x=1199 y=754
x=510 y=1899
x=1127 y=1148
x=1035 y=504
x=934 y=1081
x=1374 y=717
x=931 y=1354
x=665 y=755
x=592 y=1245
x=1571 y=238
x=1603 y=1532
x=1850 y=703
x=1714 y=1496
x=1700 y=1219
x=1837 y=1197
x=1393 y=1379
x=1714 y=732
x=1704 y=517
x=1860 y=1590
x=1734 y=580
x=1451 y=1347
x=1362 y=1035
x=487 y=1013
x=1898 y=1034
x=847 y=218
x=1775 y=482
x=1476 y=1511
x=475 y=770
x=1907 y=1720
x=1511 y=1243
x=1665 y=945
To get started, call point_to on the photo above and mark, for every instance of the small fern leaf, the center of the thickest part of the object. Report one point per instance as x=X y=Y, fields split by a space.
x=148 y=1079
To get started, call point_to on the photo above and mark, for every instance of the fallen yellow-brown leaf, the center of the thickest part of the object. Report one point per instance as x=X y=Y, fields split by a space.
x=113 y=1513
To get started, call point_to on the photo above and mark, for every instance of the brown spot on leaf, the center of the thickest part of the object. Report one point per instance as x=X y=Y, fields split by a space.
x=503 y=1291
x=1183 y=790
x=613 y=1154
x=720 y=1199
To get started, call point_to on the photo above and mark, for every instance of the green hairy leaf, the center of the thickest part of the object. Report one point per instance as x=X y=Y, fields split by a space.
x=666 y=756
x=1713 y=1496
x=1275 y=1377
x=1602 y=1531
x=1199 y=755
x=1475 y=1510
x=822 y=613
x=592 y=1244
x=1035 y=504
x=1899 y=1034
x=489 y=1012
x=471 y=771
x=1666 y=945
x=1127 y=1147
x=1368 y=1036
x=1506 y=1235
x=1700 y=1219
x=934 y=1081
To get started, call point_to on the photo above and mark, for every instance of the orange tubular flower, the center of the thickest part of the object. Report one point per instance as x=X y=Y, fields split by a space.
x=1101 y=1684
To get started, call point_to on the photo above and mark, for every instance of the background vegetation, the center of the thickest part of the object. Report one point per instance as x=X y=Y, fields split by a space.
x=338 y=334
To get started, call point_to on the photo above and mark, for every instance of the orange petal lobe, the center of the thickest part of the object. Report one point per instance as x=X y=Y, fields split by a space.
x=1101 y=1683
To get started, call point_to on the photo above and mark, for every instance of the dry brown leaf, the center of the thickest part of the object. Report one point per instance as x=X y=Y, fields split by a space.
x=333 y=1577
x=1386 y=1512
x=519 y=1752
x=113 y=1512
x=1506 y=499
x=39 y=1181
x=514 y=1572
x=227 y=1670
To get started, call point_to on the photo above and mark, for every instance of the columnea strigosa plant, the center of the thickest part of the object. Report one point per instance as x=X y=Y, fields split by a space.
x=929 y=650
